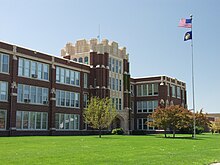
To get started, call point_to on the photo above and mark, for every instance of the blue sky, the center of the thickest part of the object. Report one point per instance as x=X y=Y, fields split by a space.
x=148 y=28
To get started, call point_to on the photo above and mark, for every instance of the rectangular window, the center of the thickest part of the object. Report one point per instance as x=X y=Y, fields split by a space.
x=85 y=80
x=142 y=124
x=110 y=64
x=144 y=106
x=85 y=100
x=183 y=94
x=113 y=65
x=150 y=106
x=31 y=120
x=178 y=92
x=67 y=121
x=155 y=89
x=139 y=106
x=120 y=67
x=32 y=94
x=168 y=90
x=120 y=85
x=33 y=69
x=116 y=84
x=139 y=90
x=120 y=105
x=145 y=89
x=150 y=89
x=3 y=91
x=67 y=99
x=116 y=104
x=116 y=67
x=113 y=83
x=3 y=118
x=4 y=63
x=110 y=80
x=173 y=91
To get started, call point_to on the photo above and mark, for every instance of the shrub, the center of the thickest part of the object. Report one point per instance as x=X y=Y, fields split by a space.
x=118 y=131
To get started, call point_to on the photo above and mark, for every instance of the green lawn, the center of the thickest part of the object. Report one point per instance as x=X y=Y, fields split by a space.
x=151 y=149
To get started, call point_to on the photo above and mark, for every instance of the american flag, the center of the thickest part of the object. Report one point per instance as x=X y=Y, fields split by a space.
x=186 y=23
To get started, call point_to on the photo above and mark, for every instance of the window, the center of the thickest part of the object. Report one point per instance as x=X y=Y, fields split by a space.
x=109 y=81
x=116 y=66
x=31 y=120
x=178 y=92
x=32 y=94
x=120 y=106
x=67 y=99
x=113 y=65
x=81 y=60
x=33 y=69
x=183 y=94
x=66 y=76
x=3 y=118
x=142 y=124
x=3 y=91
x=4 y=63
x=120 y=67
x=120 y=84
x=132 y=106
x=110 y=64
x=116 y=84
x=145 y=89
x=173 y=91
x=67 y=121
x=168 y=90
x=85 y=100
x=116 y=104
x=85 y=80
x=113 y=83
x=146 y=106
x=132 y=90
x=86 y=60
x=139 y=90
x=155 y=88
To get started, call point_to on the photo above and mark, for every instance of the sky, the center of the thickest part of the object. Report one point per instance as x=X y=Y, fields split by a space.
x=147 y=28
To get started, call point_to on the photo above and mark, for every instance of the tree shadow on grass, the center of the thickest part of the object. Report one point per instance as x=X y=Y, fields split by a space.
x=181 y=137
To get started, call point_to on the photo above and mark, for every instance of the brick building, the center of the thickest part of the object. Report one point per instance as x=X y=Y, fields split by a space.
x=41 y=94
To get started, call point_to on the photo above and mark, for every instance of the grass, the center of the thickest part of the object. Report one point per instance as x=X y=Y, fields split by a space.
x=151 y=149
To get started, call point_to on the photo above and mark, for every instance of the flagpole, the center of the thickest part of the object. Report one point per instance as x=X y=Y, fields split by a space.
x=193 y=86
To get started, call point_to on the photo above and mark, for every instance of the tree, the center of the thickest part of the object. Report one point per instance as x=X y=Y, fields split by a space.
x=215 y=126
x=173 y=117
x=100 y=113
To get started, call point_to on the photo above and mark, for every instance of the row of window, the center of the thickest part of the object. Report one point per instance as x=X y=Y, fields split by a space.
x=81 y=60
x=4 y=63
x=176 y=91
x=147 y=89
x=115 y=65
x=142 y=124
x=3 y=117
x=146 y=106
x=33 y=69
x=67 y=99
x=3 y=91
x=117 y=103
x=27 y=120
x=115 y=84
x=31 y=120
x=67 y=76
x=32 y=94
x=67 y=121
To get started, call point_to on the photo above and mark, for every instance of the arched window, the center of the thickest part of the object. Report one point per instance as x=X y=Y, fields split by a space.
x=75 y=59
x=80 y=59
x=86 y=60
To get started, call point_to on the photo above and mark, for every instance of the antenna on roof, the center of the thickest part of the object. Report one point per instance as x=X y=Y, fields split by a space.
x=99 y=36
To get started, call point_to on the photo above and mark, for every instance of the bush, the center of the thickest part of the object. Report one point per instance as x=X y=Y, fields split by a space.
x=118 y=131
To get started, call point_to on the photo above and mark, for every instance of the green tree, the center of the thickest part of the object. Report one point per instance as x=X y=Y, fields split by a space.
x=215 y=126
x=100 y=113
x=173 y=117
